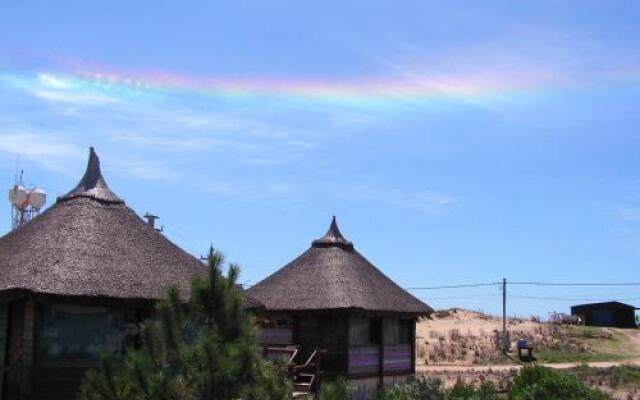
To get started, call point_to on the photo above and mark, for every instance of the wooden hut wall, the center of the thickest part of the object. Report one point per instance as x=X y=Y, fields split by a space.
x=46 y=347
x=69 y=337
x=18 y=359
x=276 y=329
x=327 y=331
x=380 y=346
x=398 y=348
x=68 y=340
x=364 y=348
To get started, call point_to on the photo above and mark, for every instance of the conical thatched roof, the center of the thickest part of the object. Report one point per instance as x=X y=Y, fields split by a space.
x=91 y=244
x=333 y=275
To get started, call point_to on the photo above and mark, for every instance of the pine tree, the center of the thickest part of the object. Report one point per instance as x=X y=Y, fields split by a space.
x=203 y=350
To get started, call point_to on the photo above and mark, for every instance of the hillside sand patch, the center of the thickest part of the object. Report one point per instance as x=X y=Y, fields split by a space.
x=461 y=344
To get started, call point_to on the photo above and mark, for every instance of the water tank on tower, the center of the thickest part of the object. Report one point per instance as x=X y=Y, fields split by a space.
x=25 y=203
x=18 y=196
x=37 y=198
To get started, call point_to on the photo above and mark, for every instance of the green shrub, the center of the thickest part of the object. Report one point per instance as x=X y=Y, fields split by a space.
x=420 y=388
x=432 y=389
x=464 y=391
x=540 y=383
x=338 y=390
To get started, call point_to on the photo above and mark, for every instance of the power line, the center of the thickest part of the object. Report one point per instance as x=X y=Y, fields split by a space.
x=480 y=296
x=574 y=284
x=574 y=298
x=470 y=285
x=453 y=286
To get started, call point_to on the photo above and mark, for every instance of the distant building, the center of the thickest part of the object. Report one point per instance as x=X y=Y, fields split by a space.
x=612 y=314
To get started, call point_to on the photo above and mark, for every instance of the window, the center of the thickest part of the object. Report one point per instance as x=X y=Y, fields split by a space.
x=359 y=332
x=331 y=330
x=375 y=329
x=80 y=333
x=365 y=331
x=405 y=331
x=391 y=331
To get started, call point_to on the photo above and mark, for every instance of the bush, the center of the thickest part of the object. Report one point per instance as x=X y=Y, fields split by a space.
x=540 y=383
x=464 y=391
x=432 y=389
x=417 y=389
x=338 y=390
x=532 y=383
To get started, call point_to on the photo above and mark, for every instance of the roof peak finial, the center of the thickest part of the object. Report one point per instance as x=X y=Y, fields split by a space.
x=333 y=238
x=92 y=184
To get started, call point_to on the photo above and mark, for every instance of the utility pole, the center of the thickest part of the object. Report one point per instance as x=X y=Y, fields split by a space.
x=505 y=344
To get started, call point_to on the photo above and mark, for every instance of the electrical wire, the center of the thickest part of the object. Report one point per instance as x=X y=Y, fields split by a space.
x=574 y=298
x=480 y=296
x=573 y=284
x=453 y=286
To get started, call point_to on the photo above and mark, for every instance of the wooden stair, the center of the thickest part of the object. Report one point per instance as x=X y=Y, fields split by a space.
x=303 y=382
x=305 y=377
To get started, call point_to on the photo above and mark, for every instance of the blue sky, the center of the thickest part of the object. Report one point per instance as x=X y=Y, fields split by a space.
x=456 y=143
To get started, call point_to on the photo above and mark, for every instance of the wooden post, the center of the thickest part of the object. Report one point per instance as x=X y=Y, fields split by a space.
x=381 y=355
x=413 y=347
x=505 y=345
x=28 y=349
x=317 y=373
x=4 y=334
x=348 y=355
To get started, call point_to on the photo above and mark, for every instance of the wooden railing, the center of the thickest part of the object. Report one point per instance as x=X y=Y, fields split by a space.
x=306 y=377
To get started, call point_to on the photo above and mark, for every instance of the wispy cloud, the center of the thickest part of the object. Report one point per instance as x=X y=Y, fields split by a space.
x=627 y=213
x=52 y=151
x=73 y=97
x=122 y=112
x=55 y=88
x=421 y=200
x=250 y=191
x=138 y=134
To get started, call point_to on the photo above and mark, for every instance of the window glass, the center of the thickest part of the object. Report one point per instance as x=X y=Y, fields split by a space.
x=375 y=330
x=359 y=332
x=390 y=331
x=405 y=331
x=331 y=330
x=80 y=333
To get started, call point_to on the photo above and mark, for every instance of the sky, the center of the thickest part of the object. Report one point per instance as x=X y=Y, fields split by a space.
x=456 y=142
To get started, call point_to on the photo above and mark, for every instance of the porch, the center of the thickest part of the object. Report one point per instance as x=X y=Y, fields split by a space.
x=352 y=344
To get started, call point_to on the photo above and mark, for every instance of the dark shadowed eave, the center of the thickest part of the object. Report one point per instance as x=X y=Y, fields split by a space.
x=92 y=184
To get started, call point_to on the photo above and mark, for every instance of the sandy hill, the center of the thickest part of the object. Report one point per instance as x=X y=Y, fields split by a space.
x=463 y=337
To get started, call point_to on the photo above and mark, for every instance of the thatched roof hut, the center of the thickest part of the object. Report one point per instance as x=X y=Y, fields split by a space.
x=332 y=275
x=334 y=299
x=77 y=279
x=90 y=244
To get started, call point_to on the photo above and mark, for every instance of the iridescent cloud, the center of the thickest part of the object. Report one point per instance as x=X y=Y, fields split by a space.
x=361 y=93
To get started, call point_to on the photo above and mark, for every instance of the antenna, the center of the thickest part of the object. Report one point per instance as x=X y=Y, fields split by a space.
x=25 y=203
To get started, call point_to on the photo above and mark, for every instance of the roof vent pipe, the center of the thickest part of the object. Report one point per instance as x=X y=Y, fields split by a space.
x=151 y=220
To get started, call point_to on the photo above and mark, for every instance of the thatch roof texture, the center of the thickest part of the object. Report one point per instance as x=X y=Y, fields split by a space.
x=333 y=275
x=91 y=244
